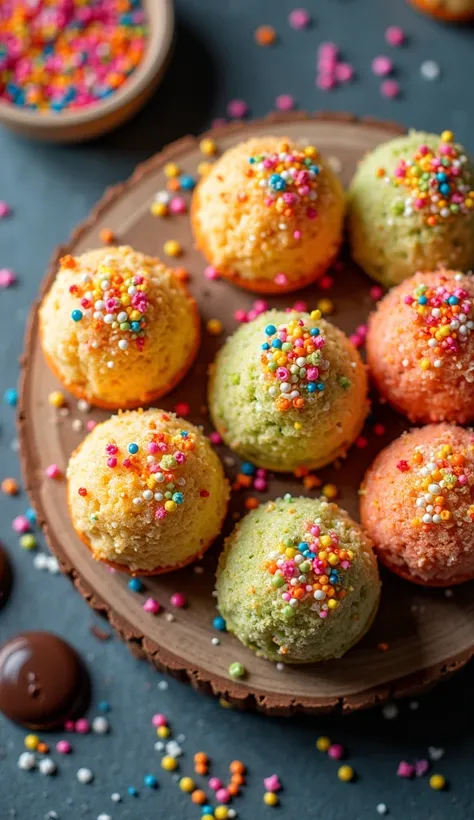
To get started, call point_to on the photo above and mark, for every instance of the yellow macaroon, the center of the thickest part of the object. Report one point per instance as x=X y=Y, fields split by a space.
x=146 y=492
x=118 y=328
x=269 y=215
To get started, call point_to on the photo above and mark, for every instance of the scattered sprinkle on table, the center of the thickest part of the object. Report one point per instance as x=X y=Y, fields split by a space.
x=390 y=89
x=265 y=35
x=381 y=66
x=237 y=109
x=299 y=19
x=7 y=278
x=430 y=70
x=395 y=36
x=67 y=55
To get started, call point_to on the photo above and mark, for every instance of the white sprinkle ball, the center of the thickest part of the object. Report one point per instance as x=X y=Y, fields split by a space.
x=104 y=817
x=27 y=761
x=381 y=808
x=47 y=766
x=115 y=797
x=83 y=406
x=84 y=775
x=100 y=725
x=430 y=70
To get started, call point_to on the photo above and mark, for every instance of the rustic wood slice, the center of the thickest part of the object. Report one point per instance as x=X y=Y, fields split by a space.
x=427 y=632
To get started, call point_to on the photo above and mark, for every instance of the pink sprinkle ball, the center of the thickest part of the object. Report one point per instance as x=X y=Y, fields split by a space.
x=90 y=425
x=181 y=409
x=390 y=89
x=260 y=306
x=405 y=769
x=215 y=784
x=237 y=109
x=159 y=720
x=284 y=102
x=4 y=210
x=325 y=82
x=151 y=606
x=336 y=751
x=223 y=795
x=260 y=485
x=240 y=316
x=361 y=442
x=215 y=438
x=83 y=726
x=272 y=783
x=300 y=306
x=63 y=747
x=178 y=600
x=178 y=205
x=344 y=72
x=70 y=726
x=21 y=524
x=281 y=279
x=381 y=66
x=326 y=282
x=210 y=272
x=376 y=293
x=328 y=51
x=7 y=278
x=379 y=429
x=299 y=19
x=53 y=471
x=395 y=36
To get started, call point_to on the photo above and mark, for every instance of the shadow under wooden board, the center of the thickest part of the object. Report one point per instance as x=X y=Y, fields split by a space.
x=418 y=635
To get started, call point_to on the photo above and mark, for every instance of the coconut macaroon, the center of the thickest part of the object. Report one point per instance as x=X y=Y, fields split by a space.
x=118 y=328
x=420 y=347
x=146 y=492
x=269 y=215
x=417 y=505
x=411 y=208
x=298 y=581
x=455 y=10
x=288 y=390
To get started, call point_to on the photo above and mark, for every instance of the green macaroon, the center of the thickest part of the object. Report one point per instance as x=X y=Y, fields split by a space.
x=298 y=581
x=246 y=392
x=397 y=229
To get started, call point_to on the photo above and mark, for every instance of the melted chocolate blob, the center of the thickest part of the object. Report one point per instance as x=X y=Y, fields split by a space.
x=43 y=681
x=5 y=577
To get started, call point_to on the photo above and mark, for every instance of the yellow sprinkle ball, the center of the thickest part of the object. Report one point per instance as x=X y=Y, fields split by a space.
x=171 y=170
x=330 y=491
x=169 y=764
x=207 y=147
x=270 y=799
x=326 y=306
x=31 y=742
x=159 y=209
x=315 y=315
x=172 y=248
x=214 y=327
x=57 y=399
x=221 y=813
x=447 y=136
x=163 y=731
x=323 y=744
x=204 y=168
x=345 y=773
x=187 y=784
x=437 y=782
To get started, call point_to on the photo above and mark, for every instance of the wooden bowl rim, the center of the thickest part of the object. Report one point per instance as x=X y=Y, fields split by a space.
x=161 y=27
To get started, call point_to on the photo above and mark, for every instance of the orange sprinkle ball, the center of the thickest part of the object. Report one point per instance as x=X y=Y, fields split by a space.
x=198 y=797
x=181 y=274
x=233 y=789
x=237 y=767
x=265 y=35
x=238 y=778
x=251 y=503
x=201 y=768
x=42 y=748
x=201 y=757
x=311 y=482
x=106 y=236
x=10 y=486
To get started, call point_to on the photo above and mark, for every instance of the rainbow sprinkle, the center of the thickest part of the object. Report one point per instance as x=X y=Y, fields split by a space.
x=435 y=182
x=57 y=55
x=293 y=363
x=156 y=464
x=289 y=181
x=442 y=478
x=111 y=302
x=310 y=570
x=444 y=319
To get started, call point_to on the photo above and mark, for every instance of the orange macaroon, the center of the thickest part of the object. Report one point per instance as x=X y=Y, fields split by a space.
x=460 y=11
x=269 y=215
x=417 y=505
x=118 y=328
x=420 y=347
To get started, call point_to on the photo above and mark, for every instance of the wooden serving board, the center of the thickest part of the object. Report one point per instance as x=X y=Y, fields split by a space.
x=428 y=632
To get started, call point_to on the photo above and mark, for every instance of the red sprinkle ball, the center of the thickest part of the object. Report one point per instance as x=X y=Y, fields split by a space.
x=68 y=55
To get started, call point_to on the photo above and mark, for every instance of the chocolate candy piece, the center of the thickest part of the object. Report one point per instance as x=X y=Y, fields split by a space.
x=5 y=577
x=43 y=681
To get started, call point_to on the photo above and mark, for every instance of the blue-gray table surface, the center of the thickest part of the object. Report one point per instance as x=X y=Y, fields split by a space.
x=50 y=189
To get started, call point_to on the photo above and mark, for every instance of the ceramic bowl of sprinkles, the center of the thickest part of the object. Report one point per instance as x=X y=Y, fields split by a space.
x=71 y=71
